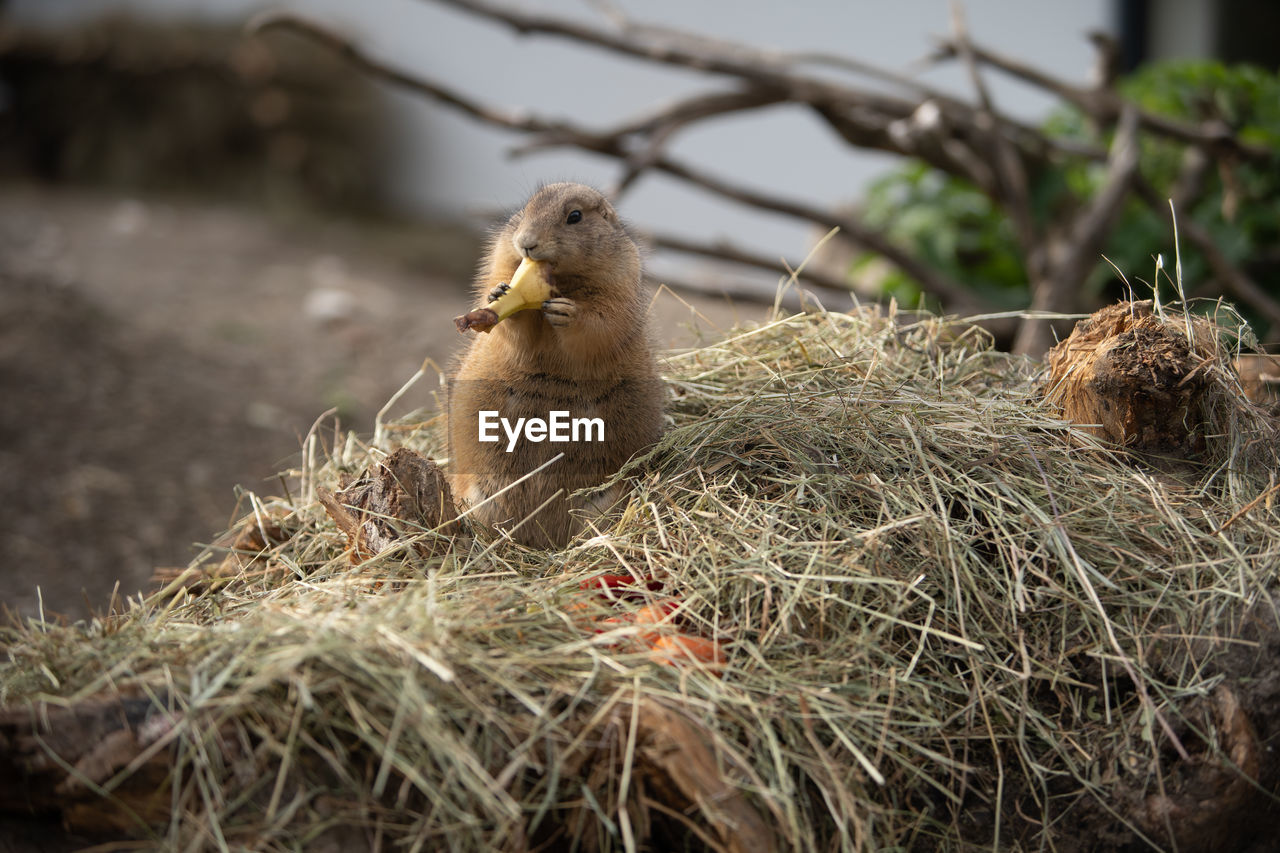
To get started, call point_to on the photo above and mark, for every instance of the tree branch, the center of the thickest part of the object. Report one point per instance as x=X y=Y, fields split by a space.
x=933 y=281
x=1010 y=173
x=723 y=250
x=301 y=26
x=974 y=141
x=1090 y=228
x=614 y=145
x=1106 y=105
x=768 y=69
x=671 y=47
x=661 y=125
x=1234 y=279
x=1067 y=260
x=789 y=299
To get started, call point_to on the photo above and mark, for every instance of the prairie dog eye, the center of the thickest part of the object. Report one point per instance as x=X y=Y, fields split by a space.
x=575 y=216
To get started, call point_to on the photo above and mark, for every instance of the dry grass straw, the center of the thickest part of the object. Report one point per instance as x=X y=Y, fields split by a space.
x=935 y=593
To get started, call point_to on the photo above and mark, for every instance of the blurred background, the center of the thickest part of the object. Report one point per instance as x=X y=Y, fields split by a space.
x=210 y=238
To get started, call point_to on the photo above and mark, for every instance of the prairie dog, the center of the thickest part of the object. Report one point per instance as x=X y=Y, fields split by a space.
x=586 y=354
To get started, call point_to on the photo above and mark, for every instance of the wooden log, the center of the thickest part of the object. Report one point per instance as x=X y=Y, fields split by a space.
x=63 y=761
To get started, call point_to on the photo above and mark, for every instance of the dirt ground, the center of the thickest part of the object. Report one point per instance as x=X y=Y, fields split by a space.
x=156 y=355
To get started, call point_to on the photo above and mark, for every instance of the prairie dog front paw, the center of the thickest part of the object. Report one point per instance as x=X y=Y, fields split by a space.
x=560 y=311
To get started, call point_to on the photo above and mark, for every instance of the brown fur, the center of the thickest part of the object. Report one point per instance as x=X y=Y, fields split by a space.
x=588 y=352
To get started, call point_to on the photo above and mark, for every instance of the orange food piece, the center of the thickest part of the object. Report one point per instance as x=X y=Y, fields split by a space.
x=666 y=643
x=658 y=613
x=581 y=613
x=678 y=649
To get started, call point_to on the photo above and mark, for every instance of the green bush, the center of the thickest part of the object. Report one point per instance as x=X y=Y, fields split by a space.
x=949 y=223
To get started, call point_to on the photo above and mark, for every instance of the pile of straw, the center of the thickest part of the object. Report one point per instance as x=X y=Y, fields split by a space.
x=949 y=618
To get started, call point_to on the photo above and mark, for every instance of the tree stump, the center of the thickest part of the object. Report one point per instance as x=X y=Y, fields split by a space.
x=396 y=499
x=1134 y=379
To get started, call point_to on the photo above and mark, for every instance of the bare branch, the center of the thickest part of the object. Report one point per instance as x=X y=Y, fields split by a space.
x=670 y=47
x=723 y=250
x=348 y=51
x=1190 y=184
x=965 y=50
x=1234 y=279
x=690 y=110
x=918 y=89
x=1090 y=228
x=1011 y=175
x=1066 y=261
x=610 y=144
x=790 y=299
x=1087 y=99
x=975 y=141
x=660 y=126
x=933 y=281
x=1106 y=105
x=769 y=69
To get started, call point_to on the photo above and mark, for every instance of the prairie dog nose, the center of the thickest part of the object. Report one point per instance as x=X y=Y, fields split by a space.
x=526 y=244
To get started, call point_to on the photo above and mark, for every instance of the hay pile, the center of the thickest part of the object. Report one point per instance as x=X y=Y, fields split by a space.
x=948 y=618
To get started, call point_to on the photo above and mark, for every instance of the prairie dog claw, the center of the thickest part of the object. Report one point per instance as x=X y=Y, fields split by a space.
x=530 y=287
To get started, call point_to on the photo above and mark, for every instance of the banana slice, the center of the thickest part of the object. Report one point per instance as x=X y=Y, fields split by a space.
x=530 y=287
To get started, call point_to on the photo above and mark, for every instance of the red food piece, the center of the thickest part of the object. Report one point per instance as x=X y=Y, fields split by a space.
x=481 y=319
x=620 y=586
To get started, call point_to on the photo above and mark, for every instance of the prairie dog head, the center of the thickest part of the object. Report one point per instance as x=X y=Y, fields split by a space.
x=576 y=231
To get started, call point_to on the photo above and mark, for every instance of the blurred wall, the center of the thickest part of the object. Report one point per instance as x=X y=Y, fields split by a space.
x=441 y=162
x=1181 y=28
